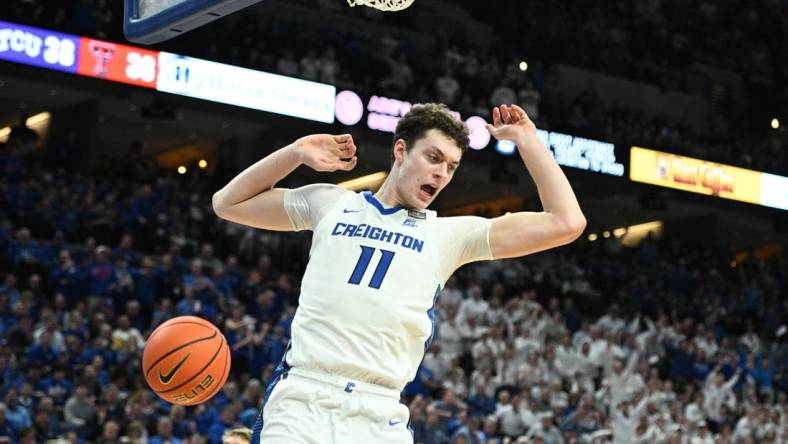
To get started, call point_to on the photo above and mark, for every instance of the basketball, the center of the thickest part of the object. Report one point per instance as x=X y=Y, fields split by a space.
x=186 y=360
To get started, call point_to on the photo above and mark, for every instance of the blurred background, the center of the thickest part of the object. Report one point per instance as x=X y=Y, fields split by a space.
x=664 y=321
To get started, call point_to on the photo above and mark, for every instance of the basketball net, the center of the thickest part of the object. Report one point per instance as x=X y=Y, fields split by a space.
x=383 y=5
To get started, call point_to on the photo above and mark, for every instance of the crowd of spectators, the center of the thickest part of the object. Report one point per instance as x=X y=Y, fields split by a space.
x=667 y=342
x=654 y=41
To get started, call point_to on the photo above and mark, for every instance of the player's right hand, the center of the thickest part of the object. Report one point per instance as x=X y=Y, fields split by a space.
x=326 y=152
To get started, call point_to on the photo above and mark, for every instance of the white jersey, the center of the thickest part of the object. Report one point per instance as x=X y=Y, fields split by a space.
x=366 y=309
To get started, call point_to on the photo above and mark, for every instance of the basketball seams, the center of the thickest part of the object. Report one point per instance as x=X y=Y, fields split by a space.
x=222 y=379
x=164 y=356
x=159 y=328
x=213 y=358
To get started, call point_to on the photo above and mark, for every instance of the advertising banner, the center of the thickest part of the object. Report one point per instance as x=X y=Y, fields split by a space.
x=694 y=175
x=217 y=82
x=581 y=153
x=774 y=191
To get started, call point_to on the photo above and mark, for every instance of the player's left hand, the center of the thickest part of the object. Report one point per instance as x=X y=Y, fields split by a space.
x=510 y=122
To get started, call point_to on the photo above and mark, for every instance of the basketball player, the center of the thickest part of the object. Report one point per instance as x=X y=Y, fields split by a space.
x=377 y=264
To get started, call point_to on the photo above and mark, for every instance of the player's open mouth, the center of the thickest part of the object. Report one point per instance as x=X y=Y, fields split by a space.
x=429 y=189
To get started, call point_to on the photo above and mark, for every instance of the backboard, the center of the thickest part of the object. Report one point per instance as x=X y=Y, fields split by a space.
x=154 y=21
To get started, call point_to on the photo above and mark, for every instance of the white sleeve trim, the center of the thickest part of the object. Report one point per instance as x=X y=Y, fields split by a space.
x=306 y=206
x=462 y=240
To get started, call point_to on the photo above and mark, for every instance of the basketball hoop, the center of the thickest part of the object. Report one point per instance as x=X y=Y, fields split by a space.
x=383 y=5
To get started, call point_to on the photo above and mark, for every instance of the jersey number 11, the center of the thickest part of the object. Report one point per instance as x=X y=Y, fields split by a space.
x=363 y=263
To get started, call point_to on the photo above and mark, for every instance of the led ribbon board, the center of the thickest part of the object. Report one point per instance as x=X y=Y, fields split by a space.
x=217 y=82
x=38 y=47
x=710 y=178
x=171 y=73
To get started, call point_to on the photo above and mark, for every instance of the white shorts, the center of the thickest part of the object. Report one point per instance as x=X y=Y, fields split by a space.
x=309 y=407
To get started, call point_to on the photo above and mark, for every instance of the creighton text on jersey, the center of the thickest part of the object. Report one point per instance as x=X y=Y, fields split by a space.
x=377 y=233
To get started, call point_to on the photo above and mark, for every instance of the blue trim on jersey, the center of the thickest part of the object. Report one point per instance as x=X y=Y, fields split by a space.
x=376 y=203
x=431 y=314
x=279 y=373
x=427 y=343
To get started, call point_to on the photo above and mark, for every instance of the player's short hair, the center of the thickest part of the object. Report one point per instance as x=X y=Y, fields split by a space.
x=241 y=432
x=426 y=116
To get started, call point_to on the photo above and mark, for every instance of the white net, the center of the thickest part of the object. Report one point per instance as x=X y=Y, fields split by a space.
x=383 y=5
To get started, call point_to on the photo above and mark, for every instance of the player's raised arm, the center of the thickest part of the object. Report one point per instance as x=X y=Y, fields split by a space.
x=562 y=221
x=251 y=199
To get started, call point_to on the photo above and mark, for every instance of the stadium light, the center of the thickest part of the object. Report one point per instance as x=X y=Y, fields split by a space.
x=368 y=182
x=34 y=122
x=636 y=233
x=632 y=235
x=646 y=227
x=38 y=119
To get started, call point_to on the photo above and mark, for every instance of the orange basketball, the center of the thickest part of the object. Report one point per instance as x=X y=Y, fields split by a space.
x=186 y=360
